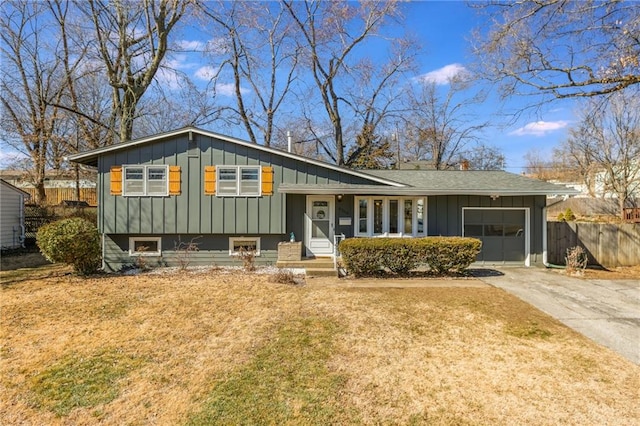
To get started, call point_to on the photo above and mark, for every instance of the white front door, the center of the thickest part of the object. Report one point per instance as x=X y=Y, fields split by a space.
x=319 y=222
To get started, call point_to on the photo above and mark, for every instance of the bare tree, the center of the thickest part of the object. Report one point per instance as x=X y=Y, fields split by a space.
x=32 y=81
x=606 y=142
x=440 y=126
x=561 y=48
x=131 y=40
x=331 y=33
x=483 y=157
x=261 y=52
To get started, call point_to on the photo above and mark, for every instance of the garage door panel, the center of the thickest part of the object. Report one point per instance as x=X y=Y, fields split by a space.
x=491 y=216
x=502 y=232
x=492 y=249
x=513 y=248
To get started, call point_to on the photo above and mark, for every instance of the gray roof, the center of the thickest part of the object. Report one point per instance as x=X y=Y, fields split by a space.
x=442 y=182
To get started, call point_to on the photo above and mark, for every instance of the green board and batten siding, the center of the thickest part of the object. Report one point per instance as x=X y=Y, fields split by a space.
x=193 y=212
x=209 y=220
x=444 y=215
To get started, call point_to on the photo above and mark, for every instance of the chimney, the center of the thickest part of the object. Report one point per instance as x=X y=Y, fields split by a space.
x=464 y=165
x=288 y=141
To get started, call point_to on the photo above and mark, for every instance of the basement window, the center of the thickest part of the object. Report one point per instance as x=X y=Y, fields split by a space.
x=145 y=246
x=238 y=245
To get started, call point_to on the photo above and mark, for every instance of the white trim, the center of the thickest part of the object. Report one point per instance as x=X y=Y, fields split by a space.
x=95 y=153
x=232 y=241
x=238 y=180
x=308 y=227
x=527 y=227
x=385 y=216
x=145 y=180
x=133 y=240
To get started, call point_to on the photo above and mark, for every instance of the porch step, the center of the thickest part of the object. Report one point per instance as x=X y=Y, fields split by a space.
x=306 y=264
x=314 y=267
x=321 y=272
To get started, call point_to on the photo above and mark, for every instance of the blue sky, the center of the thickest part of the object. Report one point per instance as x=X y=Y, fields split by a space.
x=444 y=29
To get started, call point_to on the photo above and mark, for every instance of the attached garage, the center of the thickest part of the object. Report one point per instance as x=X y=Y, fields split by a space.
x=503 y=231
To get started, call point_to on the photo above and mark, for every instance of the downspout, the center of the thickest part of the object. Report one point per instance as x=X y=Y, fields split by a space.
x=102 y=268
x=23 y=232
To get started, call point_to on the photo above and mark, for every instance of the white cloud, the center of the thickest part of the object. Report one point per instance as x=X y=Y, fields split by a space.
x=540 y=128
x=8 y=156
x=229 y=89
x=194 y=45
x=443 y=75
x=206 y=72
x=168 y=78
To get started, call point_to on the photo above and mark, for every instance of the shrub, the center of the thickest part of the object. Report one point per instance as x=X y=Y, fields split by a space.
x=360 y=256
x=448 y=254
x=576 y=260
x=367 y=256
x=561 y=217
x=185 y=251
x=568 y=215
x=73 y=241
x=283 y=276
x=248 y=258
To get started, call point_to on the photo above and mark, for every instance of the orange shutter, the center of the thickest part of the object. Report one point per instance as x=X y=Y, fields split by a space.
x=174 y=180
x=116 y=180
x=210 y=180
x=267 y=180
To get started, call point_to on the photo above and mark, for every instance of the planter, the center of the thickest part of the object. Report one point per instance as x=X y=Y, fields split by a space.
x=290 y=251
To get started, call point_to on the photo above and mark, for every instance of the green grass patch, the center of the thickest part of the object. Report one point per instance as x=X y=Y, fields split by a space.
x=529 y=330
x=81 y=381
x=287 y=382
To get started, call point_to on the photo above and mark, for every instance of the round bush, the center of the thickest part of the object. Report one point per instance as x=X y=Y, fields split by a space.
x=74 y=241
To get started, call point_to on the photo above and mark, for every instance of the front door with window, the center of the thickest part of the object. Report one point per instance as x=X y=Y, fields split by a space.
x=319 y=225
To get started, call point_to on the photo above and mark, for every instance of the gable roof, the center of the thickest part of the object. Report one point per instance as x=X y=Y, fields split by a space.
x=442 y=182
x=14 y=188
x=91 y=157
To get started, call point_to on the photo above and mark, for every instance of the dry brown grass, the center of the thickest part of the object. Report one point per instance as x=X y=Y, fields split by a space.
x=414 y=355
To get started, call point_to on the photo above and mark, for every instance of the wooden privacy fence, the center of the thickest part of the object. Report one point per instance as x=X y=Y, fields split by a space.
x=56 y=196
x=608 y=245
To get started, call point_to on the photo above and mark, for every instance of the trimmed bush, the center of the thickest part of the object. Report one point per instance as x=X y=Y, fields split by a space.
x=73 y=241
x=448 y=254
x=367 y=256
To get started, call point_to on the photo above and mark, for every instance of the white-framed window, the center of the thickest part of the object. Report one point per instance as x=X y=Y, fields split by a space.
x=392 y=216
x=238 y=181
x=149 y=180
x=145 y=246
x=239 y=244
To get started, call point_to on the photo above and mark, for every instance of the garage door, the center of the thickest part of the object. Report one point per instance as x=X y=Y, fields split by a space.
x=502 y=232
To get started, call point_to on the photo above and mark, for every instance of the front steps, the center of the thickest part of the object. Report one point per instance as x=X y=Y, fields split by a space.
x=313 y=267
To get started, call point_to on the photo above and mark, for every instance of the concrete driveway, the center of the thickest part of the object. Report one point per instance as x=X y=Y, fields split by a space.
x=606 y=311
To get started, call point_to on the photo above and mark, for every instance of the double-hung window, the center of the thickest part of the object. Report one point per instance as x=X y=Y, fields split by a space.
x=237 y=181
x=149 y=180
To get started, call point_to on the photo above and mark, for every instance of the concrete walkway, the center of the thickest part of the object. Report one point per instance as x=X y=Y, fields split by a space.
x=606 y=311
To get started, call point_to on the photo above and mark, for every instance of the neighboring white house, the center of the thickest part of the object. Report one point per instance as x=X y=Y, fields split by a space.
x=11 y=215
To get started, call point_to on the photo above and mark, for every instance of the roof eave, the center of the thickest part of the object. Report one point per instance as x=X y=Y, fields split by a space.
x=91 y=157
x=417 y=191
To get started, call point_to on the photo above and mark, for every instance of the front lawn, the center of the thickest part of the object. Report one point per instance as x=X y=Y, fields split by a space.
x=219 y=347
